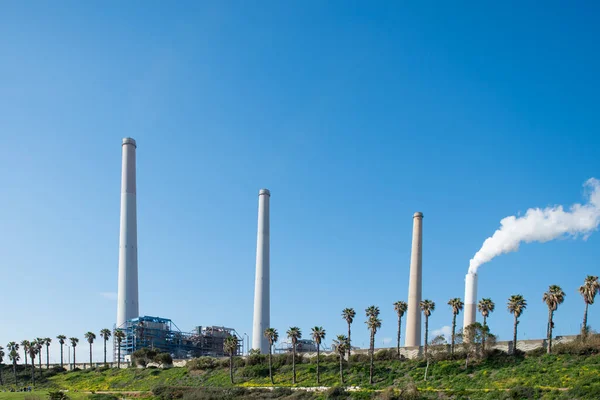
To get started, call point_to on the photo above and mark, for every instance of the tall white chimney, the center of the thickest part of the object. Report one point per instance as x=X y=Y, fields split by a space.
x=413 y=315
x=262 y=305
x=470 y=299
x=127 y=297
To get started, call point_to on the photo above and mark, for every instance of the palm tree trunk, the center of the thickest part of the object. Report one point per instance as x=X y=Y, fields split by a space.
x=584 y=326
x=349 y=342
x=515 y=335
x=40 y=361
x=105 y=351
x=33 y=373
x=371 y=351
x=74 y=357
x=90 y=355
x=1 y=380
x=342 y=369
x=398 y=345
x=271 y=363
x=47 y=357
x=318 y=376
x=15 y=372
x=453 y=333
x=61 y=355
x=294 y=363
x=484 y=335
x=231 y=367
x=426 y=332
x=550 y=315
x=119 y=355
x=26 y=363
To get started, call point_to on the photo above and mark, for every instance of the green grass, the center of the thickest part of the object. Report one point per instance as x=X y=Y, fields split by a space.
x=484 y=379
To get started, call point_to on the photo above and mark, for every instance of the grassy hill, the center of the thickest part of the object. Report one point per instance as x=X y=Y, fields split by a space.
x=499 y=376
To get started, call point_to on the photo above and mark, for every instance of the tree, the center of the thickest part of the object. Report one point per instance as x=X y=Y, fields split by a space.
x=230 y=346
x=47 y=342
x=457 y=306
x=39 y=343
x=13 y=355
x=105 y=334
x=272 y=336
x=400 y=307
x=373 y=323
x=294 y=334
x=588 y=290
x=348 y=314
x=61 y=340
x=90 y=336
x=119 y=335
x=74 y=342
x=25 y=345
x=485 y=307
x=340 y=344
x=2 y=354
x=553 y=297
x=144 y=356
x=427 y=306
x=516 y=306
x=33 y=350
x=318 y=334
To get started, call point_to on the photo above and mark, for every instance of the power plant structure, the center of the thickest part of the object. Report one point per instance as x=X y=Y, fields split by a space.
x=162 y=334
x=415 y=284
x=470 y=299
x=127 y=295
x=262 y=305
x=155 y=332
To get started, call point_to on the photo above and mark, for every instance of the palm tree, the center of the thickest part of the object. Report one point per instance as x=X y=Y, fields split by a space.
x=272 y=336
x=427 y=306
x=400 y=308
x=61 y=340
x=348 y=314
x=485 y=307
x=2 y=354
x=119 y=335
x=230 y=346
x=553 y=297
x=457 y=306
x=47 y=342
x=74 y=342
x=25 y=345
x=13 y=355
x=33 y=350
x=318 y=334
x=373 y=323
x=588 y=290
x=340 y=344
x=90 y=336
x=516 y=305
x=105 y=334
x=294 y=334
x=39 y=343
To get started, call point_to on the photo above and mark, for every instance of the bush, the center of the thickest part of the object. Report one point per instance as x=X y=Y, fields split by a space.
x=255 y=371
x=169 y=392
x=385 y=355
x=256 y=359
x=202 y=363
x=102 y=397
x=359 y=358
x=336 y=392
x=163 y=359
x=57 y=395
x=523 y=392
x=144 y=356
x=581 y=346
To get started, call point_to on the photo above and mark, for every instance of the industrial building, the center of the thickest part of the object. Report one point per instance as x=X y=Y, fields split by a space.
x=162 y=334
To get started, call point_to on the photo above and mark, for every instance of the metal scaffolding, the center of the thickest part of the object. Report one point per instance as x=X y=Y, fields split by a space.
x=162 y=334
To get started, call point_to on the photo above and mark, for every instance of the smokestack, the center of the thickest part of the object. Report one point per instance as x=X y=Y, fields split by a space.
x=127 y=300
x=470 y=299
x=262 y=311
x=413 y=316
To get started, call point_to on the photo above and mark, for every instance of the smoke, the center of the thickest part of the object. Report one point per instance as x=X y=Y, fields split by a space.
x=542 y=225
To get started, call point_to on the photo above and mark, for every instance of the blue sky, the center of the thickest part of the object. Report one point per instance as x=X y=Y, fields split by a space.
x=354 y=115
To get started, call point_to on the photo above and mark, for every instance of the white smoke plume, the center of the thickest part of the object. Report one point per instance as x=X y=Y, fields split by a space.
x=542 y=225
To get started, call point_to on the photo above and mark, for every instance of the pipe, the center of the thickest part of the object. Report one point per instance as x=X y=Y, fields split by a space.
x=413 y=315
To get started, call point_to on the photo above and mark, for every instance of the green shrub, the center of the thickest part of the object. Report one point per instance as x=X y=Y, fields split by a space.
x=336 y=392
x=169 y=392
x=102 y=396
x=385 y=355
x=256 y=359
x=254 y=371
x=359 y=358
x=203 y=363
x=57 y=395
x=522 y=393
x=163 y=359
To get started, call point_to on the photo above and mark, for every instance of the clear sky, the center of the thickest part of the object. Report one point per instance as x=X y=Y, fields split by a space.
x=354 y=114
